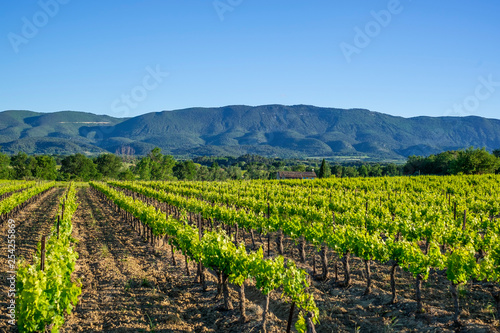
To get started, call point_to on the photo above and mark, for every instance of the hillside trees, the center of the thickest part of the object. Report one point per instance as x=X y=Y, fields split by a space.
x=79 y=166
x=185 y=170
x=234 y=172
x=350 y=171
x=257 y=171
x=474 y=161
x=469 y=161
x=44 y=168
x=108 y=165
x=324 y=170
x=391 y=169
x=203 y=173
x=496 y=152
x=363 y=171
x=216 y=172
x=126 y=175
x=4 y=166
x=22 y=164
x=28 y=167
x=156 y=166
x=299 y=168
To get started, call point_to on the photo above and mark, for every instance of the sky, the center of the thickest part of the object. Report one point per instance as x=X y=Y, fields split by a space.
x=129 y=57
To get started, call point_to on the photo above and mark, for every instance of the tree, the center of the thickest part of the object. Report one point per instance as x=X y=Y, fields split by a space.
x=299 y=168
x=255 y=171
x=161 y=165
x=350 y=172
x=474 y=161
x=79 y=166
x=413 y=165
x=108 y=165
x=185 y=170
x=337 y=170
x=363 y=170
x=22 y=165
x=203 y=173
x=44 y=168
x=496 y=152
x=143 y=168
x=324 y=170
x=126 y=175
x=216 y=173
x=156 y=166
x=443 y=161
x=375 y=171
x=4 y=166
x=234 y=172
x=391 y=169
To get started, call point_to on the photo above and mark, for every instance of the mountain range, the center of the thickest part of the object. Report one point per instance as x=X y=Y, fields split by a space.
x=269 y=130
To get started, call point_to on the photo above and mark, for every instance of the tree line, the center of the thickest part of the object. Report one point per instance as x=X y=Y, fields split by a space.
x=157 y=166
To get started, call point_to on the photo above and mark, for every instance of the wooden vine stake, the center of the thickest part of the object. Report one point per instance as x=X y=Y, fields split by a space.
x=465 y=220
x=58 y=222
x=290 y=316
x=42 y=254
x=201 y=269
x=268 y=233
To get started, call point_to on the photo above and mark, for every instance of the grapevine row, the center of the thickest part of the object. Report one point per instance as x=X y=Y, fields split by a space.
x=45 y=295
x=359 y=237
x=13 y=204
x=215 y=250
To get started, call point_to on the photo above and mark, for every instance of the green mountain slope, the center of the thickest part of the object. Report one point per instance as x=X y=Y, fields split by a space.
x=273 y=130
x=50 y=133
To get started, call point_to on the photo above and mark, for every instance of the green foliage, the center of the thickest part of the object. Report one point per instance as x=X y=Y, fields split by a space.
x=350 y=171
x=185 y=170
x=299 y=168
x=126 y=175
x=468 y=162
x=108 y=165
x=270 y=130
x=9 y=203
x=234 y=172
x=79 y=167
x=5 y=171
x=363 y=171
x=461 y=264
x=324 y=170
x=156 y=166
x=474 y=161
x=22 y=164
x=255 y=171
x=43 y=297
x=216 y=173
x=215 y=250
x=29 y=167
x=44 y=168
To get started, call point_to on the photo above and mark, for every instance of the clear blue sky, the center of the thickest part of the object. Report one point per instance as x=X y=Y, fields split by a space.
x=429 y=57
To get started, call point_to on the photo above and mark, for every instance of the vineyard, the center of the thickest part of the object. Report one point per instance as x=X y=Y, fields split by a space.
x=398 y=254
